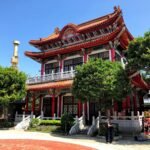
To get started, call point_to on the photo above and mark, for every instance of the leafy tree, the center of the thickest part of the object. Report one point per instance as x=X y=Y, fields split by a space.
x=101 y=80
x=138 y=54
x=12 y=86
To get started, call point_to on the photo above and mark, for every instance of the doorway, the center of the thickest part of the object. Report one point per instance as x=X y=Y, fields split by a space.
x=47 y=106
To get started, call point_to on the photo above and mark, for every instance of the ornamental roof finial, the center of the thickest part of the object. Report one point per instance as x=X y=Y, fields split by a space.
x=117 y=8
x=56 y=31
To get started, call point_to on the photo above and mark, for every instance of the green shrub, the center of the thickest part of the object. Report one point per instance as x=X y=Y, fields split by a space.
x=103 y=128
x=6 y=124
x=50 y=122
x=67 y=122
x=34 y=122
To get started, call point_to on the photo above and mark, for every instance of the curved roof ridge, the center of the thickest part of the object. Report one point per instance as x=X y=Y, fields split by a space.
x=116 y=11
x=80 y=27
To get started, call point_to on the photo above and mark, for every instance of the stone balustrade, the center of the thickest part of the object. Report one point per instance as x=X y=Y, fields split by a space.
x=51 y=77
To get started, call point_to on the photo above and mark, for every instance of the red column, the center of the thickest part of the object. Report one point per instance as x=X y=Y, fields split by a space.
x=61 y=65
x=27 y=100
x=112 y=52
x=85 y=107
x=124 y=104
x=79 y=108
x=115 y=106
x=128 y=102
x=53 y=105
x=33 y=103
x=40 y=103
x=135 y=103
x=85 y=58
x=59 y=106
x=42 y=69
x=72 y=105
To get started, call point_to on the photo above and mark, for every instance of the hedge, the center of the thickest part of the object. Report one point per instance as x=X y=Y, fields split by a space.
x=50 y=122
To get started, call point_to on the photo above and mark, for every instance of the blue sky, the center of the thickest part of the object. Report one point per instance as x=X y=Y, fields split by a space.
x=24 y=20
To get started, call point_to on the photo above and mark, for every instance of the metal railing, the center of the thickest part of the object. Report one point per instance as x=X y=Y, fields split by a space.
x=51 y=77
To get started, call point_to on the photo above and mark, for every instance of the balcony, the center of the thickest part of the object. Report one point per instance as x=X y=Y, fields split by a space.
x=51 y=77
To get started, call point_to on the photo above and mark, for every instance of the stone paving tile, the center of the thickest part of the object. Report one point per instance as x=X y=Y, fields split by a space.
x=99 y=144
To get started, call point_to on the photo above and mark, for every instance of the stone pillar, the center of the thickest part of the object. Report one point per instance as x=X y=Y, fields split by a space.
x=72 y=74
x=115 y=115
x=93 y=120
x=23 y=116
x=132 y=115
x=42 y=114
x=112 y=54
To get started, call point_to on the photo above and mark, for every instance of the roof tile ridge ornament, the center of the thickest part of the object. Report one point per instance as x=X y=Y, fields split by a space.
x=56 y=30
x=69 y=25
x=117 y=9
x=43 y=54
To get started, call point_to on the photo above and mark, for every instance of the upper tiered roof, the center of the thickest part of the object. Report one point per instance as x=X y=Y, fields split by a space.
x=73 y=37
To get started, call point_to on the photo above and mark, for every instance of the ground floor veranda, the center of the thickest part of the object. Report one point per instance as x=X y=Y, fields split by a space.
x=52 y=104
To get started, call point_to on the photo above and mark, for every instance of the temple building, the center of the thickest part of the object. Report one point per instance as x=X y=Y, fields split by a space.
x=49 y=94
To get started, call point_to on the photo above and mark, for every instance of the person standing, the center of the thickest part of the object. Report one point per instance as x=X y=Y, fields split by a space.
x=109 y=131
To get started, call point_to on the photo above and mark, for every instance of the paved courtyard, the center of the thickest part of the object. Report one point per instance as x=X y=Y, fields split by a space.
x=41 y=141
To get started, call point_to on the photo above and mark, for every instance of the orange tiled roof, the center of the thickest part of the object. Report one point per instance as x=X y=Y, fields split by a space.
x=102 y=40
x=50 y=85
x=81 y=27
x=138 y=82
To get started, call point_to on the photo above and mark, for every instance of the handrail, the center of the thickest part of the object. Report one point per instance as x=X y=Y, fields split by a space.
x=24 y=124
x=94 y=126
x=78 y=126
x=51 y=77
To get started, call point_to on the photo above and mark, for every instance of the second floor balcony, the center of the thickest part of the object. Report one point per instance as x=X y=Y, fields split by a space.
x=51 y=77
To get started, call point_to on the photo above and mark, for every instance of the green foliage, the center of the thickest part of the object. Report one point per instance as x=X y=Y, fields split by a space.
x=46 y=129
x=12 y=85
x=101 y=80
x=6 y=124
x=67 y=122
x=103 y=129
x=138 y=54
x=34 y=122
x=50 y=122
x=46 y=126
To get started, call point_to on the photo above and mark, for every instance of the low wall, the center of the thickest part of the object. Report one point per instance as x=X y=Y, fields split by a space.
x=127 y=124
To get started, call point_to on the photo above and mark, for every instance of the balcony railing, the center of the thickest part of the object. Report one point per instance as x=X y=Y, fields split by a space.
x=51 y=77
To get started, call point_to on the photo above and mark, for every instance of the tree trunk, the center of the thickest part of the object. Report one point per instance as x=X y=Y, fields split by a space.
x=5 y=112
